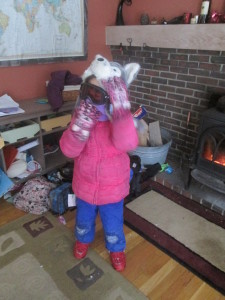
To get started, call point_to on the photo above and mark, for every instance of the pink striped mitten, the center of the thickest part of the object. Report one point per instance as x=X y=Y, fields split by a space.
x=117 y=90
x=85 y=118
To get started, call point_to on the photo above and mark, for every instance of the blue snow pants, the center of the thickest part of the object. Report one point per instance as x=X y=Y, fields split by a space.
x=112 y=221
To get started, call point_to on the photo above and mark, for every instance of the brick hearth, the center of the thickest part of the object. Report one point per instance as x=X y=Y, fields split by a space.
x=198 y=192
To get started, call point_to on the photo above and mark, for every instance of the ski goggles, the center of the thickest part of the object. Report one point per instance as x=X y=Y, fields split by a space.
x=95 y=93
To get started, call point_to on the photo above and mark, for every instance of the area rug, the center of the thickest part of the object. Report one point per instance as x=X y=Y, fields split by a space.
x=36 y=262
x=193 y=235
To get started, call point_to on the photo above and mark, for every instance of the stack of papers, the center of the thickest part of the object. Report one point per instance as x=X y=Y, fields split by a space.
x=8 y=106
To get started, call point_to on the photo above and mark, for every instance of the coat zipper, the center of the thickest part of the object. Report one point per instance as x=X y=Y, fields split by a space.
x=96 y=173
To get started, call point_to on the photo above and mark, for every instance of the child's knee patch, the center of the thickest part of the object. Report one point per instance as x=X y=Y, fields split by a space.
x=112 y=238
x=82 y=230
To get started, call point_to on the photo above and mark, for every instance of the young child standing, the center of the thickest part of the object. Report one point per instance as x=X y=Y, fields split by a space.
x=100 y=134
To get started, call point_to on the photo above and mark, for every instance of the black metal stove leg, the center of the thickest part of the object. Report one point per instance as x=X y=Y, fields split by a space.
x=186 y=169
x=187 y=179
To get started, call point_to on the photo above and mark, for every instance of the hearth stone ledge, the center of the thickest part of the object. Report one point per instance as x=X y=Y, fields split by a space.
x=174 y=182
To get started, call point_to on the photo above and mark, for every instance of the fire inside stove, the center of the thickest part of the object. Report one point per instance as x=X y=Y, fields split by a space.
x=214 y=149
x=208 y=162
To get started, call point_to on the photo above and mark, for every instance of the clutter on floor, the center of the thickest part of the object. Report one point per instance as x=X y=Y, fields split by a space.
x=50 y=192
x=34 y=195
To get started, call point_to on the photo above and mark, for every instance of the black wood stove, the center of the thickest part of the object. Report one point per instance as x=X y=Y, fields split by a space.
x=208 y=162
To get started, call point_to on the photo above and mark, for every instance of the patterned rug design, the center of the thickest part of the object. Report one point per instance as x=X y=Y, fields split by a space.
x=37 y=262
x=175 y=224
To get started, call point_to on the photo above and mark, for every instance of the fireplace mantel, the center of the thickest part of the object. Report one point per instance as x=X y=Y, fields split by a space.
x=188 y=36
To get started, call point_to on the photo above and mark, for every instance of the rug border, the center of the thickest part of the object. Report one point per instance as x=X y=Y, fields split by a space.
x=192 y=261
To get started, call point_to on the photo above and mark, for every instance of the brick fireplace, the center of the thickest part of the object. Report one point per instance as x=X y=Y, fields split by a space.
x=181 y=66
x=175 y=86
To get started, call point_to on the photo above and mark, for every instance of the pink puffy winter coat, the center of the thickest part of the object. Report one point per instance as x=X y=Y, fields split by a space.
x=101 y=164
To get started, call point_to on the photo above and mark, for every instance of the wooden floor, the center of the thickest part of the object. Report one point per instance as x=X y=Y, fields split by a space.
x=149 y=269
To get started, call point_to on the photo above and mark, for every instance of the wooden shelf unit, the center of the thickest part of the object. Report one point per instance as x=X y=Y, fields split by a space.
x=37 y=113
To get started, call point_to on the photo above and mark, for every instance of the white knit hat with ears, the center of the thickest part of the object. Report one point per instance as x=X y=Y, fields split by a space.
x=102 y=69
x=128 y=72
